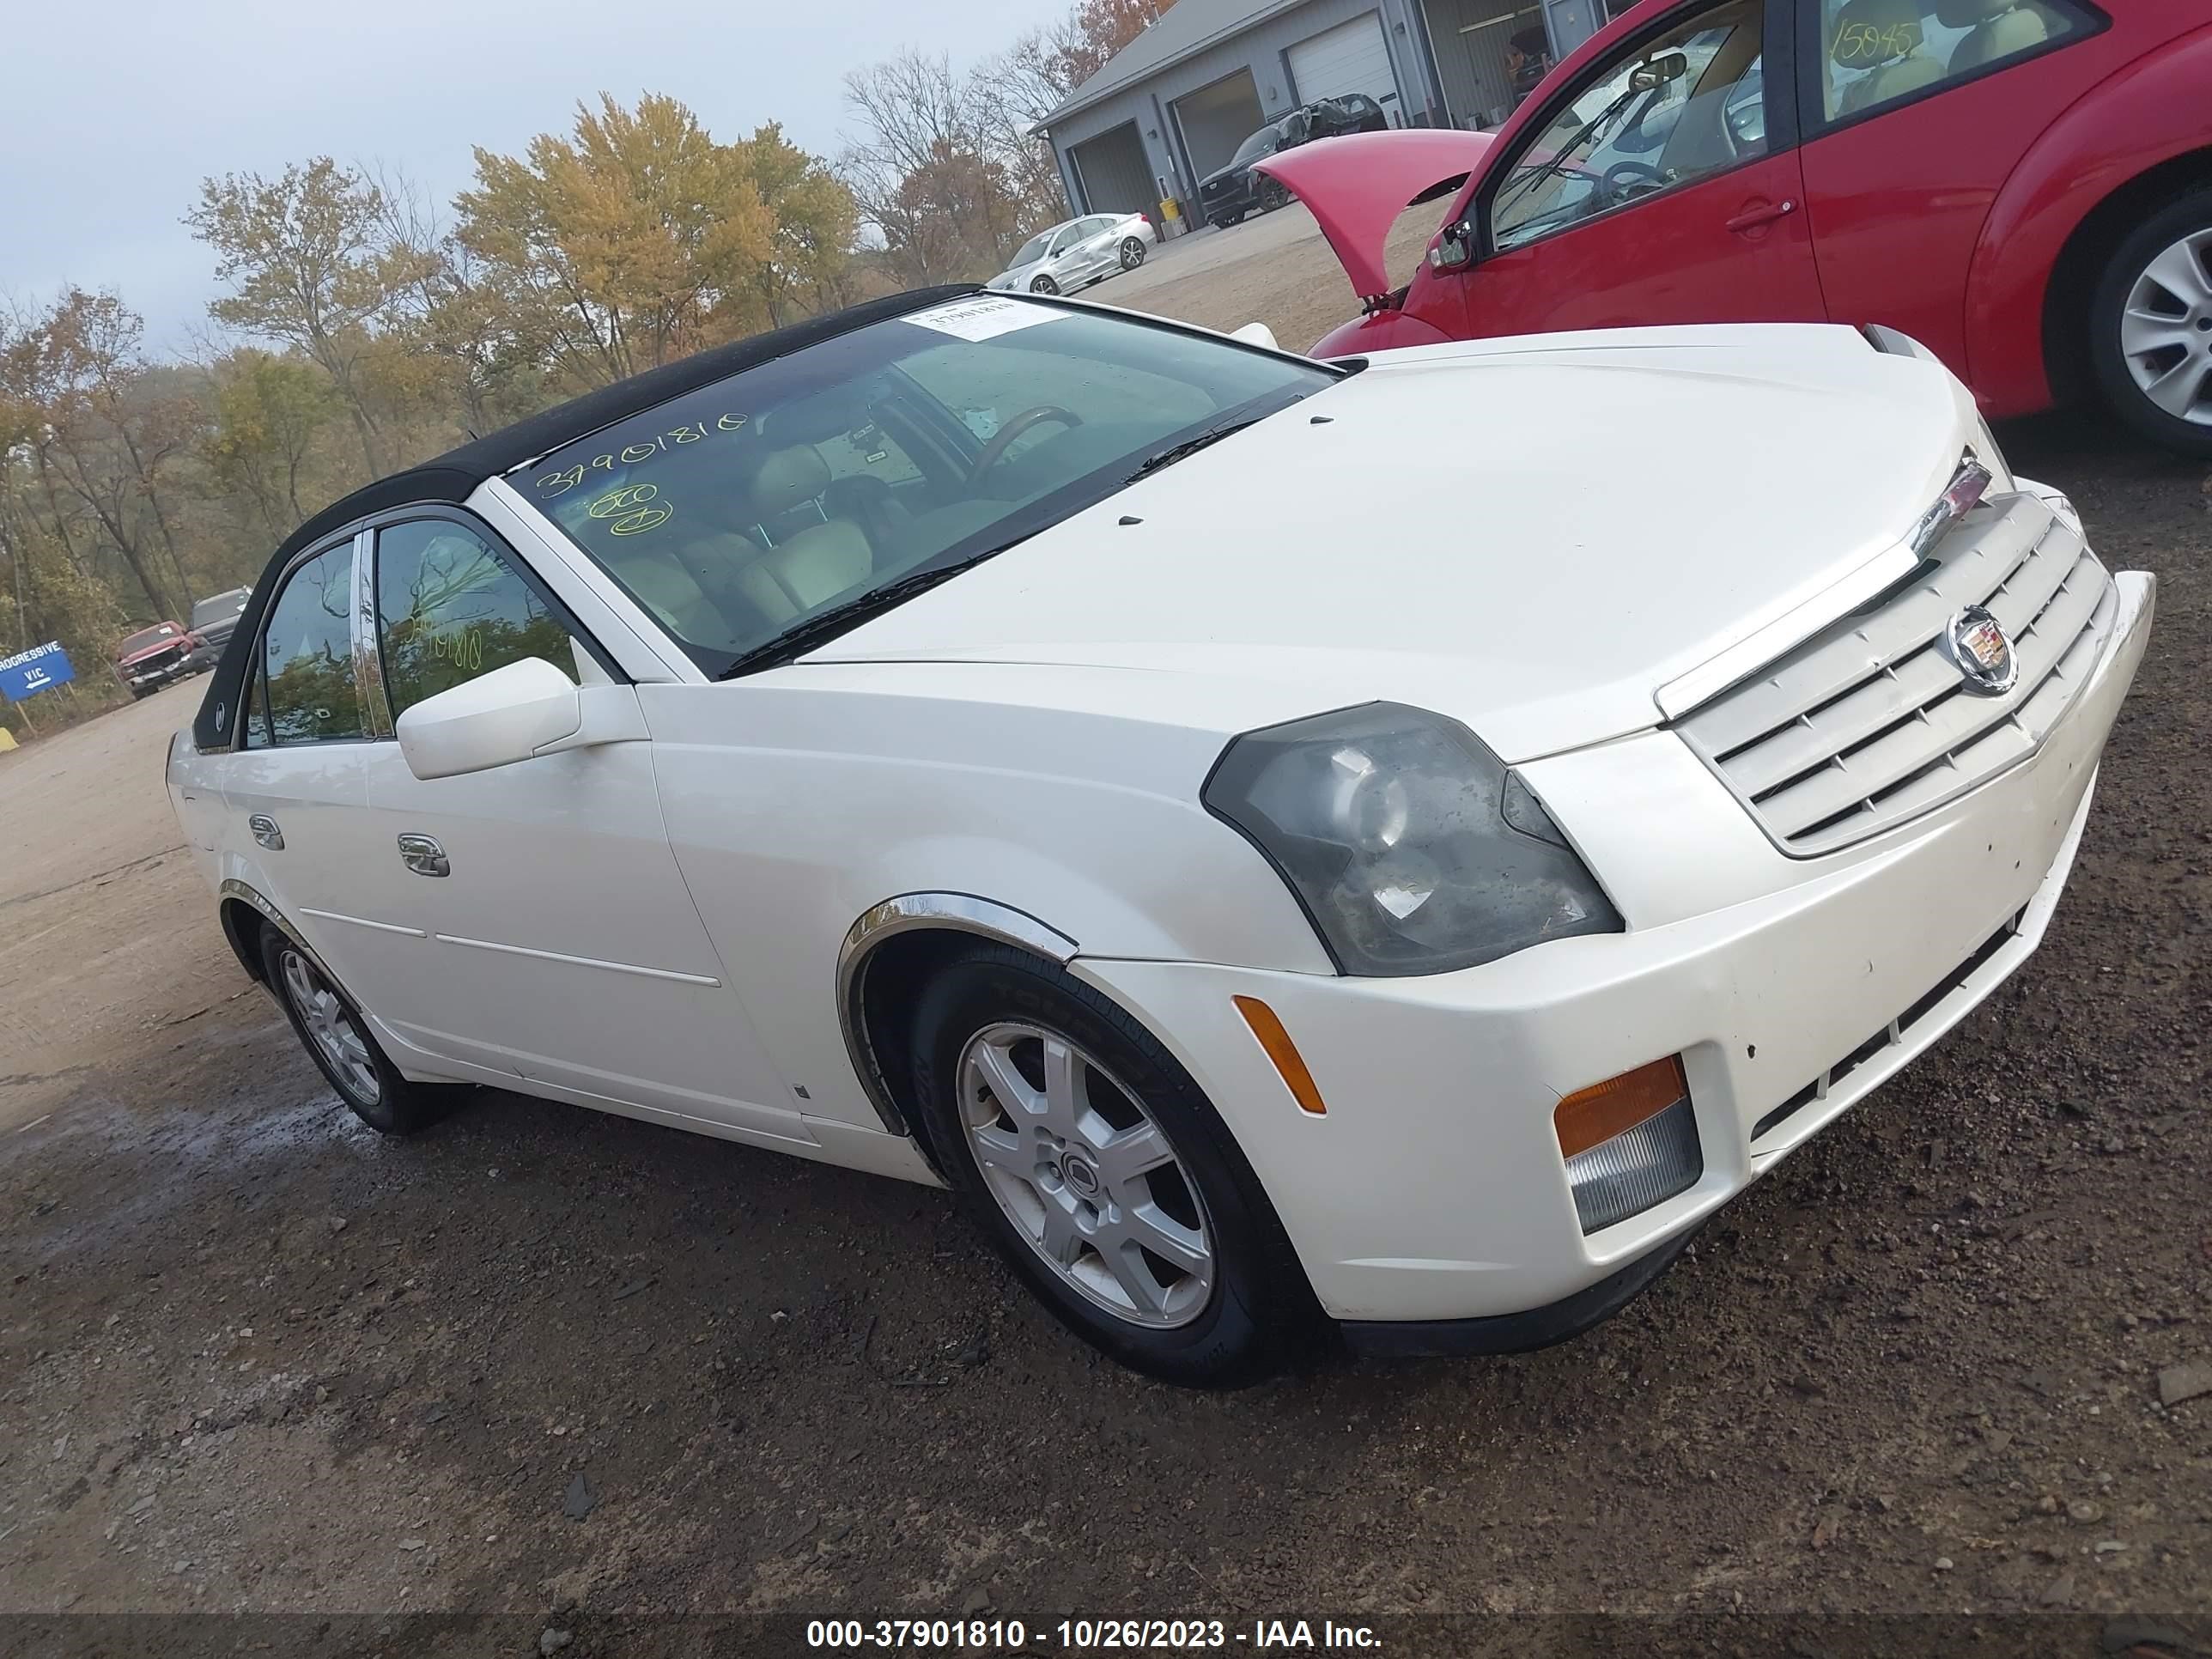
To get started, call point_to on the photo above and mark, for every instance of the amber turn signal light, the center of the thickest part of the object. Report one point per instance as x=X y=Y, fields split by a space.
x=1591 y=1116
x=1284 y=1053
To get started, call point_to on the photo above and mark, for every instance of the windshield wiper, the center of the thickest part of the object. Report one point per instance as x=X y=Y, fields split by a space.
x=1190 y=446
x=839 y=619
x=1589 y=135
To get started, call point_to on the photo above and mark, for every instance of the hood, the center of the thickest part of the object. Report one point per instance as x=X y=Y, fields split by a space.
x=1533 y=537
x=178 y=642
x=1357 y=186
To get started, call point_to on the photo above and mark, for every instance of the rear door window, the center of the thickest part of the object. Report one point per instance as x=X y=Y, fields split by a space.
x=309 y=693
x=1874 y=53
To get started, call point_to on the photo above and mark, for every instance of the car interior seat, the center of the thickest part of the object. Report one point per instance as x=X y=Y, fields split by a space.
x=810 y=565
x=667 y=583
x=1892 y=75
x=2000 y=29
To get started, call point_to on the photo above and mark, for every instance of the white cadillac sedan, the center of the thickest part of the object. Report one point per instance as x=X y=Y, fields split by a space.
x=909 y=740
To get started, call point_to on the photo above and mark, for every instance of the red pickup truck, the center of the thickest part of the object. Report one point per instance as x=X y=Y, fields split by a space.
x=150 y=659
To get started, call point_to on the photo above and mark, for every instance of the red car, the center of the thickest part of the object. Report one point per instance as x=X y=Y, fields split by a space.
x=150 y=659
x=2024 y=186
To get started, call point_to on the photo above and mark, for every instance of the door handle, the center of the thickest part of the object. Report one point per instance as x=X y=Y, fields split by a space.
x=422 y=854
x=1766 y=213
x=266 y=831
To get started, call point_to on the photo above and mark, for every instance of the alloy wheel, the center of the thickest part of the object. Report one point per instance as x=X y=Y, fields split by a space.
x=1086 y=1175
x=2166 y=330
x=329 y=1025
x=1132 y=253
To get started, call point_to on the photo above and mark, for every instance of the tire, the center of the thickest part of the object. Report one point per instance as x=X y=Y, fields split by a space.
x=351 y=1061
x=1226 y=1302
x=1043 y=285
x=1272 y=196
x=1132 y=252
x=2150 y=326
x=137 y=694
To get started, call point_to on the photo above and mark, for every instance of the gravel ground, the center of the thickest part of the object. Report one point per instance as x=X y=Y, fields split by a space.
x=255 y=1358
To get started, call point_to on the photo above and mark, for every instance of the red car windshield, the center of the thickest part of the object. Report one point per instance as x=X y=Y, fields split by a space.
x=145 y=639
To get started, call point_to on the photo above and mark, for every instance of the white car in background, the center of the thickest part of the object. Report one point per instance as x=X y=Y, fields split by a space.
x=1267 y=909
x=1081 y=251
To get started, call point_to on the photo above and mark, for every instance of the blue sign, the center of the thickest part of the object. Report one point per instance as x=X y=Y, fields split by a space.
x=39 y=669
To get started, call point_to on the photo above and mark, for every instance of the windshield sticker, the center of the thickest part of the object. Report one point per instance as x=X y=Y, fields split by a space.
x=984 y=317
x=635 y=454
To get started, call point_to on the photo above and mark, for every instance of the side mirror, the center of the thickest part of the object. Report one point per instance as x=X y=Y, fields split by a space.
x=1256 y=334
x=497 y=719
x=1453 y=249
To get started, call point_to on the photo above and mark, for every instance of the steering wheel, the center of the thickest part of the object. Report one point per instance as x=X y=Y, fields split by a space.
x=1013 y=429
x=1621 y=172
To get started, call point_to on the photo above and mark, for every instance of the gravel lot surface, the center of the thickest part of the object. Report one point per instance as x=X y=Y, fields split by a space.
x=254 y=1357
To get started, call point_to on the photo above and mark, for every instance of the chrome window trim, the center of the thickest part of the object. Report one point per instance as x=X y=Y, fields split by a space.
x=960 y=913
x=367 y=662
x=254 y=671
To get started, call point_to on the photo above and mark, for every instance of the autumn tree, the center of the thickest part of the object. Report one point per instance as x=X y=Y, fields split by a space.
x=269 y=413
x=817 y=222
x=309 y=266
x=1093 y=32
x=46 y=594
x=104 y=439
x=927 y=164
x=636 y=240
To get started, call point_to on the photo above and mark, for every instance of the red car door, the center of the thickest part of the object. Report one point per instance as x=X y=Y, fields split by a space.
x=1913 y=124
x=1659 y=184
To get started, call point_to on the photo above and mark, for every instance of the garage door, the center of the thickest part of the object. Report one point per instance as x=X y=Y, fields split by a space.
x=1350 y=57
x=1112 y=172
x=1216 y=119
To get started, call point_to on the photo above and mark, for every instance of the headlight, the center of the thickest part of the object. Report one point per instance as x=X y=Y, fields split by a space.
x=1412 y=847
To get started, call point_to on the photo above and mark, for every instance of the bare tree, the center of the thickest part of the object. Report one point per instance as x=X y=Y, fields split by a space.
x=927 y=164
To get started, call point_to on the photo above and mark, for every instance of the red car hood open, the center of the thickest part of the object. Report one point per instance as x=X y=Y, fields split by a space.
x=1357 y=186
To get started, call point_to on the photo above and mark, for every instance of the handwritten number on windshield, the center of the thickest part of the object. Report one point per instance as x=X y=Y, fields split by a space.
x=635 y=454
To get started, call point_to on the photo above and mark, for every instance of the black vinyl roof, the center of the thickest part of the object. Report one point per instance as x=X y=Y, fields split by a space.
x=454 y=477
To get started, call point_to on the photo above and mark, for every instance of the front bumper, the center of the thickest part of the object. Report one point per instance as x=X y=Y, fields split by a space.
x=1239 y=195
x=1433 y=1190
x=141 y=677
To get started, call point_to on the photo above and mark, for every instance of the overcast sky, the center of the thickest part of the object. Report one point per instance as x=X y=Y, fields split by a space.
x=102 y=153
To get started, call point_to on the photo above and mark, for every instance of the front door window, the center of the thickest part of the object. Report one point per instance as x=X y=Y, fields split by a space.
x=448 y=608
x=1675 y=108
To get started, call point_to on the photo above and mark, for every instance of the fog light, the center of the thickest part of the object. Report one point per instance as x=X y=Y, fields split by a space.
x=1630 y=1142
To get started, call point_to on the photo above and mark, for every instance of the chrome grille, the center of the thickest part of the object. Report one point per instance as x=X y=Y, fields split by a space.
x=1867 y=724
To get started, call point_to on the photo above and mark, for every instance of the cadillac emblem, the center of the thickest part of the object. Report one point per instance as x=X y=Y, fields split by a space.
x=1978 y=648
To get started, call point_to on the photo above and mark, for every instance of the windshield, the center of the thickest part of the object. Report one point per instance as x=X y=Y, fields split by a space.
x=764 y=506
x=1262 y=143
x=220 y=606
x=144 y=637
x=1032 y=250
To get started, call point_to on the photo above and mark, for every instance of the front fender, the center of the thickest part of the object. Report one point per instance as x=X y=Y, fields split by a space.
x=2150 y=112
x=1381 y=331
x=798 y=803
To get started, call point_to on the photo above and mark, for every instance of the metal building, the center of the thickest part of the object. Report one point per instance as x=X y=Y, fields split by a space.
x=1173 y=105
